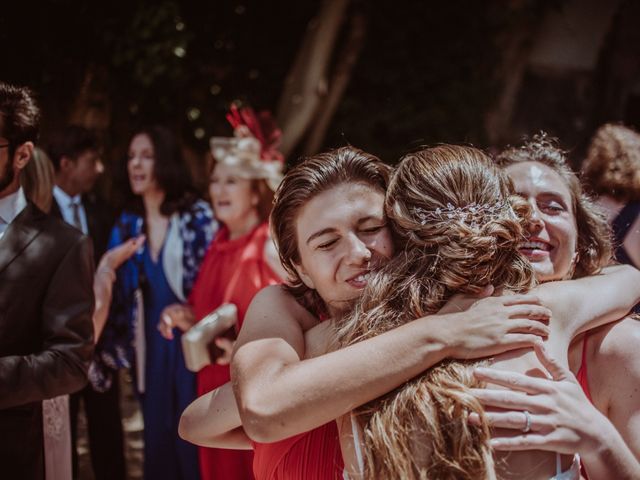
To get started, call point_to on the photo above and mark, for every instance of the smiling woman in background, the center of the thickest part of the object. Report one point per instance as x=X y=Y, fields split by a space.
x=178 y=229
x=568 y=238
x=242 y=259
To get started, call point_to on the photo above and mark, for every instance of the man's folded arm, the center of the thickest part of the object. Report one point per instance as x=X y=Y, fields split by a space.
x=67 y=331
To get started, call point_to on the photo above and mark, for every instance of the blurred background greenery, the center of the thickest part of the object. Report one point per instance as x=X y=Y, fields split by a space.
x=382 y=75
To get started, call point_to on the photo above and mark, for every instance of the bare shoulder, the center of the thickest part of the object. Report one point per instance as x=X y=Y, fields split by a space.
x=560 y=297
x=619 y=341
x=276 y=302
x=274 y=325
x=272 y=293
x=319 y=339
x=615 y=377
x=613 y=360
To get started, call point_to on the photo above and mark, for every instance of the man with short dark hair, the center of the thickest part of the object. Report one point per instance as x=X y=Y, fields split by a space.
x=75 y=154
x=76 y=161
x=46 y=298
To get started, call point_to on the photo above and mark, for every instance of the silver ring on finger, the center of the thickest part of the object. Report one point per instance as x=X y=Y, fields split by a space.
x=527 y=422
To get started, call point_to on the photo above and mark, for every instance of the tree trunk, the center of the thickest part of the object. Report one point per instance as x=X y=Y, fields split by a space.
x=618 y=66
x=516 y=45
x=306 y=82
x=92 y=106
x=339 y=82
x=512 y=68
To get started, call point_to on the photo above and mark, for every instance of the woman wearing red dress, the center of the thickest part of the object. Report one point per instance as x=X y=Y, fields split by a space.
x=346 y=188
x=240 y=261
x=215 y=418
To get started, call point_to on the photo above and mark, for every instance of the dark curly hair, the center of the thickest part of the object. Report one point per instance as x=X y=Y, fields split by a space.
x=19 y=115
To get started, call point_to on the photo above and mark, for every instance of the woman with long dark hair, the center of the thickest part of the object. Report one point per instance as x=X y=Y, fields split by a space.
x=178 y=229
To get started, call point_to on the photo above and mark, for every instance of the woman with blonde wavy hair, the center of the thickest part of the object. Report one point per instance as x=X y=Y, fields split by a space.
x=451 y=210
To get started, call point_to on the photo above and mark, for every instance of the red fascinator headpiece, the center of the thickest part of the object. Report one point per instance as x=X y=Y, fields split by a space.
x=253 y=150
x=261 y=126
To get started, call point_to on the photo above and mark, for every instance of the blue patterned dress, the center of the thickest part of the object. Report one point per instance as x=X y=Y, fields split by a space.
x=167 y=387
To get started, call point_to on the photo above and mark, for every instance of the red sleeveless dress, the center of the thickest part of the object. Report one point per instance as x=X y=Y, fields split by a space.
x=314 y=455
x=233 y=271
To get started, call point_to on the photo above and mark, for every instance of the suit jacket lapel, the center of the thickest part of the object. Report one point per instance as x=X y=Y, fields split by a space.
x=20 y=233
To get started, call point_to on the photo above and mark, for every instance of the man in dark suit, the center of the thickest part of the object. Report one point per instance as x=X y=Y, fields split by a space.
x=75 y=155
x=46 y=299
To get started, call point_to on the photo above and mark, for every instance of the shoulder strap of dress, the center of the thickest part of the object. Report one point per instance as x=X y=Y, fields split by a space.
x=574 y=470
x=584 y=352
x=356 y=444
x=623 y=221
x=581 y=374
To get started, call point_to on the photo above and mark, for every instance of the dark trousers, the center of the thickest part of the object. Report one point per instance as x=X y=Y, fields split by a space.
x=104 y=426
x=21 y=442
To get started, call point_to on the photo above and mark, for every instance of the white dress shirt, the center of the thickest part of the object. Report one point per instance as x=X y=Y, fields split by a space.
x=65 y=202
x=10 y=208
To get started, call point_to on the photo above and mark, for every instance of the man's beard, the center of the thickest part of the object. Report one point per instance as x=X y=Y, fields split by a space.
x=8 y=175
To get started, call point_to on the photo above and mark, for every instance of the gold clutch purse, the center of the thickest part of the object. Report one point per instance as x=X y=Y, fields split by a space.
x=197 y=342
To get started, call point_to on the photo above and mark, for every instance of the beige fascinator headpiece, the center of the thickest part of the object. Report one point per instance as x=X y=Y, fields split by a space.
x=252 y=151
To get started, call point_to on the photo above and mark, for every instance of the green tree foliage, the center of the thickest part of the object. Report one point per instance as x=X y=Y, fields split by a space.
x=427 y=72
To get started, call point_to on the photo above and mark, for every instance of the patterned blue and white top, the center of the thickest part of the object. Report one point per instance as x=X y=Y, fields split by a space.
x=188 y=237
